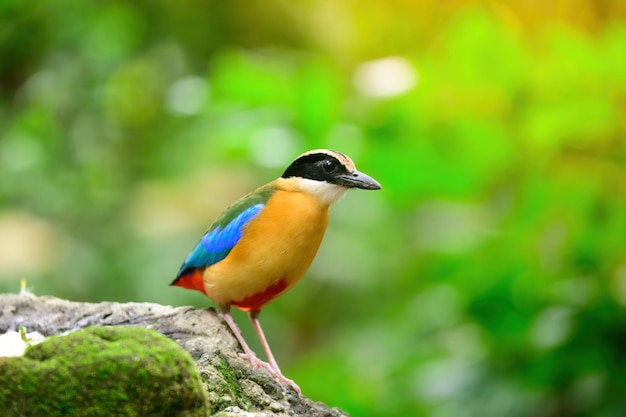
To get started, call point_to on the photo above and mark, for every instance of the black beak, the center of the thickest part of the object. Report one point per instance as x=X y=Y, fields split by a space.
x=358 y=179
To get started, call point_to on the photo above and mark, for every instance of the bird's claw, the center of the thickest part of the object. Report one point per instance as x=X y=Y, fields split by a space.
x=258 y=363
x=286 y=381
x=255 y=361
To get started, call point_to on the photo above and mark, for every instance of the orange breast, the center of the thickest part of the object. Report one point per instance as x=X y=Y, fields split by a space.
x=275 y=250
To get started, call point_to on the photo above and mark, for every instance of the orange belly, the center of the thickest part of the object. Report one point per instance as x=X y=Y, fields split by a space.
x=275 y=250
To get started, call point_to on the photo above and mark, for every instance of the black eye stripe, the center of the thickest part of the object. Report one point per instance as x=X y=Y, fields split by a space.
x=318 y=166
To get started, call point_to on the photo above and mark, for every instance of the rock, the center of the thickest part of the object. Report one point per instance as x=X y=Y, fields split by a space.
x=102 y=371
x=232 y=387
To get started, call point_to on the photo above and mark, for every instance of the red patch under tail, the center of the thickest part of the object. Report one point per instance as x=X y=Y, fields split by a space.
x=191 y=280
x=258 y=300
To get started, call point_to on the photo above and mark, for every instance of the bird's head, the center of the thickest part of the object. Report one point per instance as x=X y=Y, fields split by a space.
x=327 y=175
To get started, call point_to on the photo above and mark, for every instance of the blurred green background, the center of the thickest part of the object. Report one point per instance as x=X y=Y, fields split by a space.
x=487 y=278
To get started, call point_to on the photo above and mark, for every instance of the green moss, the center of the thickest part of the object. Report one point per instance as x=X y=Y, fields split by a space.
x=102 y=371
x=226 y=388
x=228 y=374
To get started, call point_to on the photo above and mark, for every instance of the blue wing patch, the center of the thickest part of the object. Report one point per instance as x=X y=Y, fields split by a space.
x=217 y=243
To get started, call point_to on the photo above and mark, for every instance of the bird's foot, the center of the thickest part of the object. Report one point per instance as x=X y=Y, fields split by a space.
x=282 y=378
x=255 y=361
x=274 y=372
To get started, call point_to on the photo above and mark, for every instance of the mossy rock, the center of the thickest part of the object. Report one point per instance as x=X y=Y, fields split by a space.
x=102 y=371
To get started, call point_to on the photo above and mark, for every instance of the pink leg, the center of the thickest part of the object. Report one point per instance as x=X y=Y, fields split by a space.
x=247 y=352
x=274 y=369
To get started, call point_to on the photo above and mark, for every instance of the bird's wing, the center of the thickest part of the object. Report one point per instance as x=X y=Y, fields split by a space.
x=225 y=232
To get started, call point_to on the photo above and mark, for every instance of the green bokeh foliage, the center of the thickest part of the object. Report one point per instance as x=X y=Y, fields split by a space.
x=488 y=278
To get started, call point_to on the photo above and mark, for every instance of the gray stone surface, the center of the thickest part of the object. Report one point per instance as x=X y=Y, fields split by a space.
x=233 y=387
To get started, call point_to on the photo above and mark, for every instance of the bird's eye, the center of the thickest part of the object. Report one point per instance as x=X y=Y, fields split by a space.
x=329 y=166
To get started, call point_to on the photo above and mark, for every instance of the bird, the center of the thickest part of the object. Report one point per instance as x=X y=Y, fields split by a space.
x=263 y=244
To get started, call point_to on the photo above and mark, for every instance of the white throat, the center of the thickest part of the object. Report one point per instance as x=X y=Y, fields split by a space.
x=325 y=192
